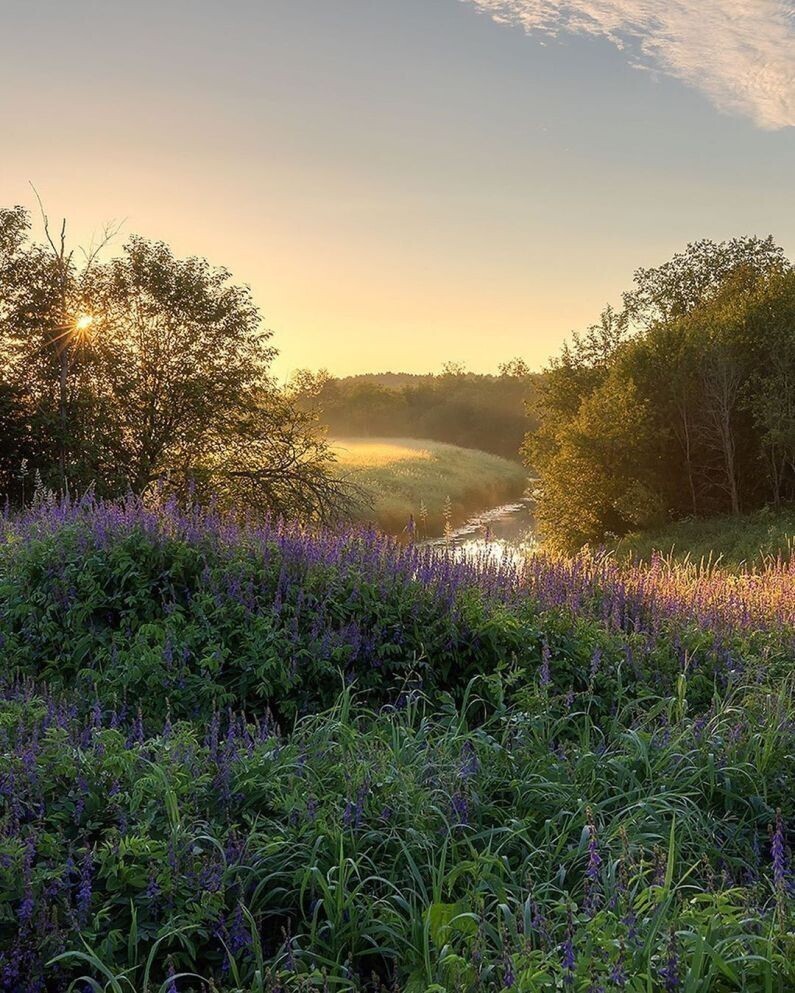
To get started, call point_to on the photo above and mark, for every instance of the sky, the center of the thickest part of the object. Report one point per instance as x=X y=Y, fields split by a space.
x=407 y=182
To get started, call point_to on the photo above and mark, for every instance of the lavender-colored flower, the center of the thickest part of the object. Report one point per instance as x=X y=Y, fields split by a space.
x=171 y=979
x=84 y=890
x=569 y=959
x=460 y=809
x=593 y=869
x=545 y=676
x=239 y=934
x=153 y=888
x=469 y=761
x=596 y=661
x=669 y=973
x=618 y=972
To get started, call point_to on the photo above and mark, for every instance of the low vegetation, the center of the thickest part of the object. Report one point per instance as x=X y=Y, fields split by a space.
x=748 y=540
x=436 y=483
x=247 y=758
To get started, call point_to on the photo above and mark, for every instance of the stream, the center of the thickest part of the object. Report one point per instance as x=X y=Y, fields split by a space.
x=504 y=531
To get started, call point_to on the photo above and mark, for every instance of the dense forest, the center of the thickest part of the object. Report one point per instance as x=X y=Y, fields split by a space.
x=463 y=408
x=680 y=403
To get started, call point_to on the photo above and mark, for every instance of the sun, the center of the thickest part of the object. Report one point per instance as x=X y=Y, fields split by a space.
x=83 y=327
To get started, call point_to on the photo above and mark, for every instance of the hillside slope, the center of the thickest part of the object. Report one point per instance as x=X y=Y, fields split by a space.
x=404 y=476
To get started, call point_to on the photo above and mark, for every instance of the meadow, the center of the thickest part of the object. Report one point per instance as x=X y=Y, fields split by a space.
x=242 y=757
x=429 y=479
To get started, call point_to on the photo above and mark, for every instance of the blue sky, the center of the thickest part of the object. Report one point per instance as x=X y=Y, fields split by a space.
x=408 y=181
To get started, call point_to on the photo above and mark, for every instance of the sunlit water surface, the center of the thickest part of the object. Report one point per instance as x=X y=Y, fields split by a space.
x=504 y=533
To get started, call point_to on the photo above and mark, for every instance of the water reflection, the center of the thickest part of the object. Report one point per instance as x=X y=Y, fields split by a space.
x=504 y=533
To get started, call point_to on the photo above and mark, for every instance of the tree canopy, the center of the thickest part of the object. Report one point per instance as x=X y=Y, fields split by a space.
x=682 y=403
x=141 y=369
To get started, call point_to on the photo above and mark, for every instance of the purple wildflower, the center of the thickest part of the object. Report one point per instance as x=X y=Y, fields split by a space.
x=670 y=970
x=84 y=890
x=567 y=951
x=460 y=809
x=545 y=677
x=778 y=855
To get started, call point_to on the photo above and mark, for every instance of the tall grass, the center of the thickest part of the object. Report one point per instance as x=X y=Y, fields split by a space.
x=428 y=479
x=748 y=540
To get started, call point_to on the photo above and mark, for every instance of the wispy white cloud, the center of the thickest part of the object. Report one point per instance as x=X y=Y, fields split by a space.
x=740 y=53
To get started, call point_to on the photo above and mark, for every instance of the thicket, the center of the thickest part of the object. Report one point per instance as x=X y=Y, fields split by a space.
x=680 y=404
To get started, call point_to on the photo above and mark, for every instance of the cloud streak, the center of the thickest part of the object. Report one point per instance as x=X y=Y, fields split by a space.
x=740 y=53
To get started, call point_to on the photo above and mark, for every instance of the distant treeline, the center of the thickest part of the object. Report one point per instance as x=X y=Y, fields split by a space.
x=681 y=403
x=472 y=410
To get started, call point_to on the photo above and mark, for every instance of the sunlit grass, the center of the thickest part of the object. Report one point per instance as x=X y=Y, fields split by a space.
x=749 y=540
x=355 y=453
x=431 y=480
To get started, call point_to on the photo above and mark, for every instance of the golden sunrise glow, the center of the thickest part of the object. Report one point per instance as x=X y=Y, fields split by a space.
x=83 y=326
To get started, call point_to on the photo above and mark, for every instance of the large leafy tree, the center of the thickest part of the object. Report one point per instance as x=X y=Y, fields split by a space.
x=682 y=403
x=181 y=354
x=147 y=368
x=689 y=279
x=594 y=449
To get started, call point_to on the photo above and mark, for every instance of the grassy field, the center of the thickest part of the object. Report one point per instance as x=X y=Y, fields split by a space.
x=281 y=760
x=746 y=540
x=403 y=476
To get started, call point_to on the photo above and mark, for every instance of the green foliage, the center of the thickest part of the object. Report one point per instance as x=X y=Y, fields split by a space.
x=273 y=619
x=144 y=369
x=591 y=789
x=680 y=405
x=470 y=410
x=420 y=848
x=751 y=539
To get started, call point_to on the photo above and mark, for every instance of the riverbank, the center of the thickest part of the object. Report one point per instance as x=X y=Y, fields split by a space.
x=440 y=485
x=747 y=540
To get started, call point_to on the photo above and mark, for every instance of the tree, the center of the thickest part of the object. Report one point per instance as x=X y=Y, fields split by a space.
x=515 y=368
x=698 y=371
x=148 y=367
x=180 y=352
x=770 y=395
x=687 y=280
x=595 y=474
